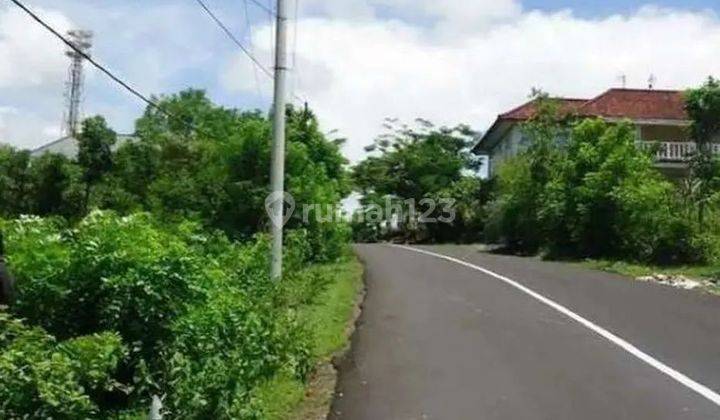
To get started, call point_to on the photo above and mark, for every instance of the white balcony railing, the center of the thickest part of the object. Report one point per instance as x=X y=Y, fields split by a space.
x=675 y=151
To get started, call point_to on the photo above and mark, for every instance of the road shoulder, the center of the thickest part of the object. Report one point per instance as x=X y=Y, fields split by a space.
x=332 y=319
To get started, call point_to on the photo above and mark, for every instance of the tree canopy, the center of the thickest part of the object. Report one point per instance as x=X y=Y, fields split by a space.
x=206 y=162
x=412 y=164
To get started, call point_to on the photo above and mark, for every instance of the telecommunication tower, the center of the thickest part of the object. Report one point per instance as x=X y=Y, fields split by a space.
x=82 y=40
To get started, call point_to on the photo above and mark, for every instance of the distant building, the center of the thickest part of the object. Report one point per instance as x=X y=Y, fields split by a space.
x=68 y=146
x=658 y=115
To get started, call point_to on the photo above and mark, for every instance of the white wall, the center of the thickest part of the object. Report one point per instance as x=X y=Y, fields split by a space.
x=512 y=143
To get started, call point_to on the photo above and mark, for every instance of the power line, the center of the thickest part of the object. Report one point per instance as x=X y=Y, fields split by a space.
x=84 y=55
x=267 y=9
x=248 y=32
x=233 y=38
x=237 y=42
x=102 y=68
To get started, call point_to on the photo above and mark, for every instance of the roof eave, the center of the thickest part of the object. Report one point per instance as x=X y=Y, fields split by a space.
x=491 y=137
x=651 y=121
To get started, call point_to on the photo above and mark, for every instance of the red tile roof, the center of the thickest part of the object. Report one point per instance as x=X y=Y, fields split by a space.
x=527 y=110
x=637 y=104
x=634 y=104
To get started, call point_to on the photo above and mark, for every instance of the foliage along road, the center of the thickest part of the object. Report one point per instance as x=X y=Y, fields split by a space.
x=451 y=333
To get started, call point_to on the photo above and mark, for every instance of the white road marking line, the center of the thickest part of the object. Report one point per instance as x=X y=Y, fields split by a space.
x=623 y=344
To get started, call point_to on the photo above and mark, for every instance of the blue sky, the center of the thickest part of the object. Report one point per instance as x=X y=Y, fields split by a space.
x=357 y=61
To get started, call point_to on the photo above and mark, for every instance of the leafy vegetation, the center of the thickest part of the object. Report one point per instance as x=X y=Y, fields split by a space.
x=326 y=312
x=579 y=188
x=215 y=174
x=597 y=195
x=142 y=269
x=44 y=378
x=703 y=107
x=123 y=307
x=417 y=173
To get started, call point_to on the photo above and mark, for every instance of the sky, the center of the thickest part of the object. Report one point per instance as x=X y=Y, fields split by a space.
x=355 y=61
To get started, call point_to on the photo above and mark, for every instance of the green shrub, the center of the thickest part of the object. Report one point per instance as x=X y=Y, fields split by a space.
x=597 y=195
x=607 y=200
x=39 y=259
x=513 y=215
x=196 y=316
x=222 y=350
x=651 y=224
x=108 y=273
x=42 y=378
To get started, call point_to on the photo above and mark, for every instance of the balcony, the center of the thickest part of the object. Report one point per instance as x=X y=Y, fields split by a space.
x=669 y=151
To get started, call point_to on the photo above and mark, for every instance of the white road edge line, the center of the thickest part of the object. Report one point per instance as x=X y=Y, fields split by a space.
x=623 y=344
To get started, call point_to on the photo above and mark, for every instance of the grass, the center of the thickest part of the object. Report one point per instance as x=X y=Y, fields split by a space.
x=702 y=272
x=638 y=270
x=327 y=316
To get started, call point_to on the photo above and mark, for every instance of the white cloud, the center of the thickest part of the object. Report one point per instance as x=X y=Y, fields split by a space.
x=152 y=46
x=5 y=111
x=21 y=124
x=356 y=70
x=350 y=9
x=459 y=14
x=358 y=61
x=29 y=55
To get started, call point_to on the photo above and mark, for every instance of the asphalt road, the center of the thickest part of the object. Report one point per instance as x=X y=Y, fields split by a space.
x=439 y=339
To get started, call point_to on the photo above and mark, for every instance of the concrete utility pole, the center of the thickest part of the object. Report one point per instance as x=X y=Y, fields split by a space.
x=277 y=172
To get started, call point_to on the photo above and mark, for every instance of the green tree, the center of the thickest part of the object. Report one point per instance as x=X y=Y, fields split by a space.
x=703 y=107
x=135 y=166
x=413 y=164
x=56 y=186
x=513 y=216
x=15 y=182
x=95 y=144
x=579 y=206
x=212 y=164
x=600 y=197
x=470 y=194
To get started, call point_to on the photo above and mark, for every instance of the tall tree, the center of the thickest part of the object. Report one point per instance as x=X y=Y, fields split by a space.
x=55 y=186
x=211 y=163
x=703 y=107
x=412 y=165
x=95 y=155
x=15 y=181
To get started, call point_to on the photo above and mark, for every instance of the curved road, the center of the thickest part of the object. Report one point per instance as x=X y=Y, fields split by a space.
x=480 y=336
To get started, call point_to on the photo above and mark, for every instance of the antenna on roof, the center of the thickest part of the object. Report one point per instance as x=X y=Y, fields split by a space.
x=623 y=80
x=651 y=81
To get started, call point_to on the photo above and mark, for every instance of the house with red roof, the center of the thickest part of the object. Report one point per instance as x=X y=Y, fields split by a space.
x=658 y=115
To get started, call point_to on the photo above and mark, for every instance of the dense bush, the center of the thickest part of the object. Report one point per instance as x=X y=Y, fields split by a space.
x=141 y=308
x=44 y=378
x=513 y=214
x=223 y=349
x=599 y=197
x=151 y=294
x=107 y=272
